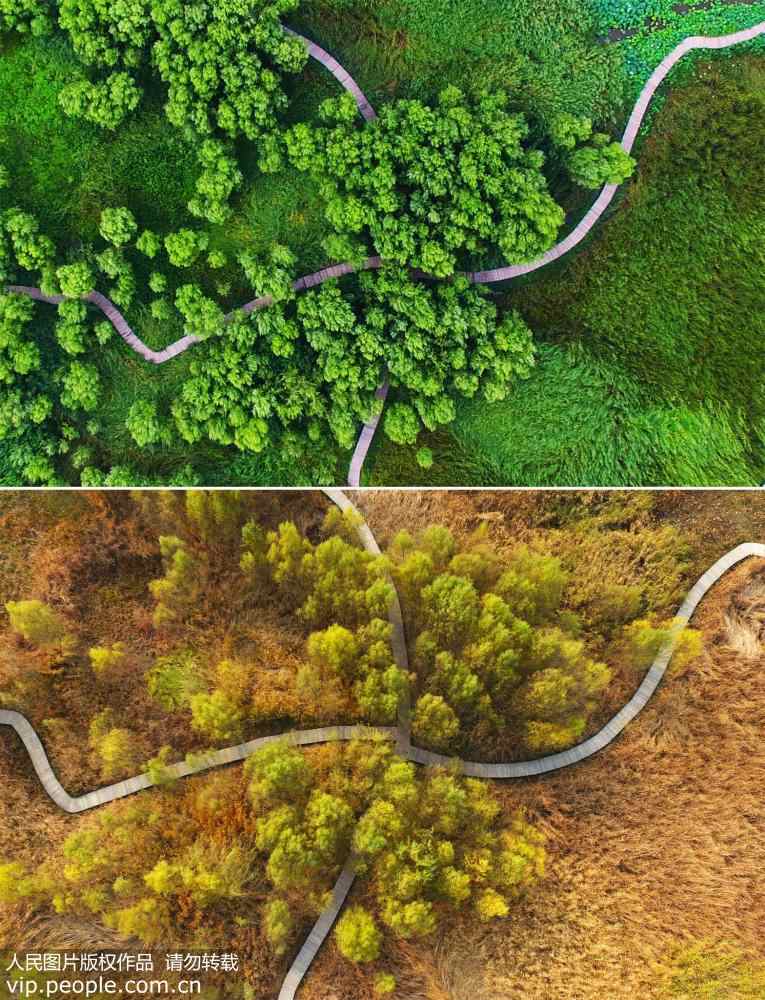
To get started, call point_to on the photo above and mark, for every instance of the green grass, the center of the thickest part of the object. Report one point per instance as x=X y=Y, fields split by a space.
x=66 y=171
x=650 y=361
x=545 y=55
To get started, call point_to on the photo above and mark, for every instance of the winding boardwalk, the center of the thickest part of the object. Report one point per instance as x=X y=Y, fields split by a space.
x=575 y=237
x=215 y=758
x=400 y=733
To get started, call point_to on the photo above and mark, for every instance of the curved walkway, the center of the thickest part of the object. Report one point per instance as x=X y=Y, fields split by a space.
x=396 y=618
x=634 y=124
x=339 y=72
x=215 y=758
x=400 y=733
x=575 y=237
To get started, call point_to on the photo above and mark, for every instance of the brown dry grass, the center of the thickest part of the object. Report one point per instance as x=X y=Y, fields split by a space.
x=659 y=838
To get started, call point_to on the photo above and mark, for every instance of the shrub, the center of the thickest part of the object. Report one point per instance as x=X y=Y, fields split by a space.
x=385 y=984
x=36 y=622
x=279 y=925
x=357 y=935
x=644 y=641
x=107 y=660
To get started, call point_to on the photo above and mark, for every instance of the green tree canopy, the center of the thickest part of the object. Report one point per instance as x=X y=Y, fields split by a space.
x=357 y=935
x=312 y=363
x=222 y=65
x=428 y=187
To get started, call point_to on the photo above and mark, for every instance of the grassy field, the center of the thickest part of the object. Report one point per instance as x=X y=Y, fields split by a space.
x=648 y=367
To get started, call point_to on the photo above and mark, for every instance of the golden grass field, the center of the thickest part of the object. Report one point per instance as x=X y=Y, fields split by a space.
x=656 y=842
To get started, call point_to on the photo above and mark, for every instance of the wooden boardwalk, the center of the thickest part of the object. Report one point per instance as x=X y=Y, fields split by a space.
x=401 y=733
x=342 y=76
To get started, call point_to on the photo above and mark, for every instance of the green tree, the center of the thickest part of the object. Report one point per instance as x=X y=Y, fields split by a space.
x=567 y=131
x=28 y=248
x=426 y=186
x=358 y=936
x=173 y=679
x=434 y=722
x=563 y=689
x=117 y=748
x=178 y=590
x=157 y=281
x=450 y=609
x=601 y=162
x=222 y=66
x=425 y=458
x=332 y=351
x=494 y=644
x=203 y=317
x=434 y=840
x=346 y=584
x=385 y=984
x=149 y=244
x=71 y=326
x=219 y=178
x=76 y=280
x=278 y=773
x=103 y=331
x=105 y=102
x=401 y=424
x=117 y=226
x=147 y=920
x=80 y=387
x=217 y=716
x=335 y=649
x=36 y=622
x=533 y=584
x=185 y=246
x=143 y=423
x=25 y=15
